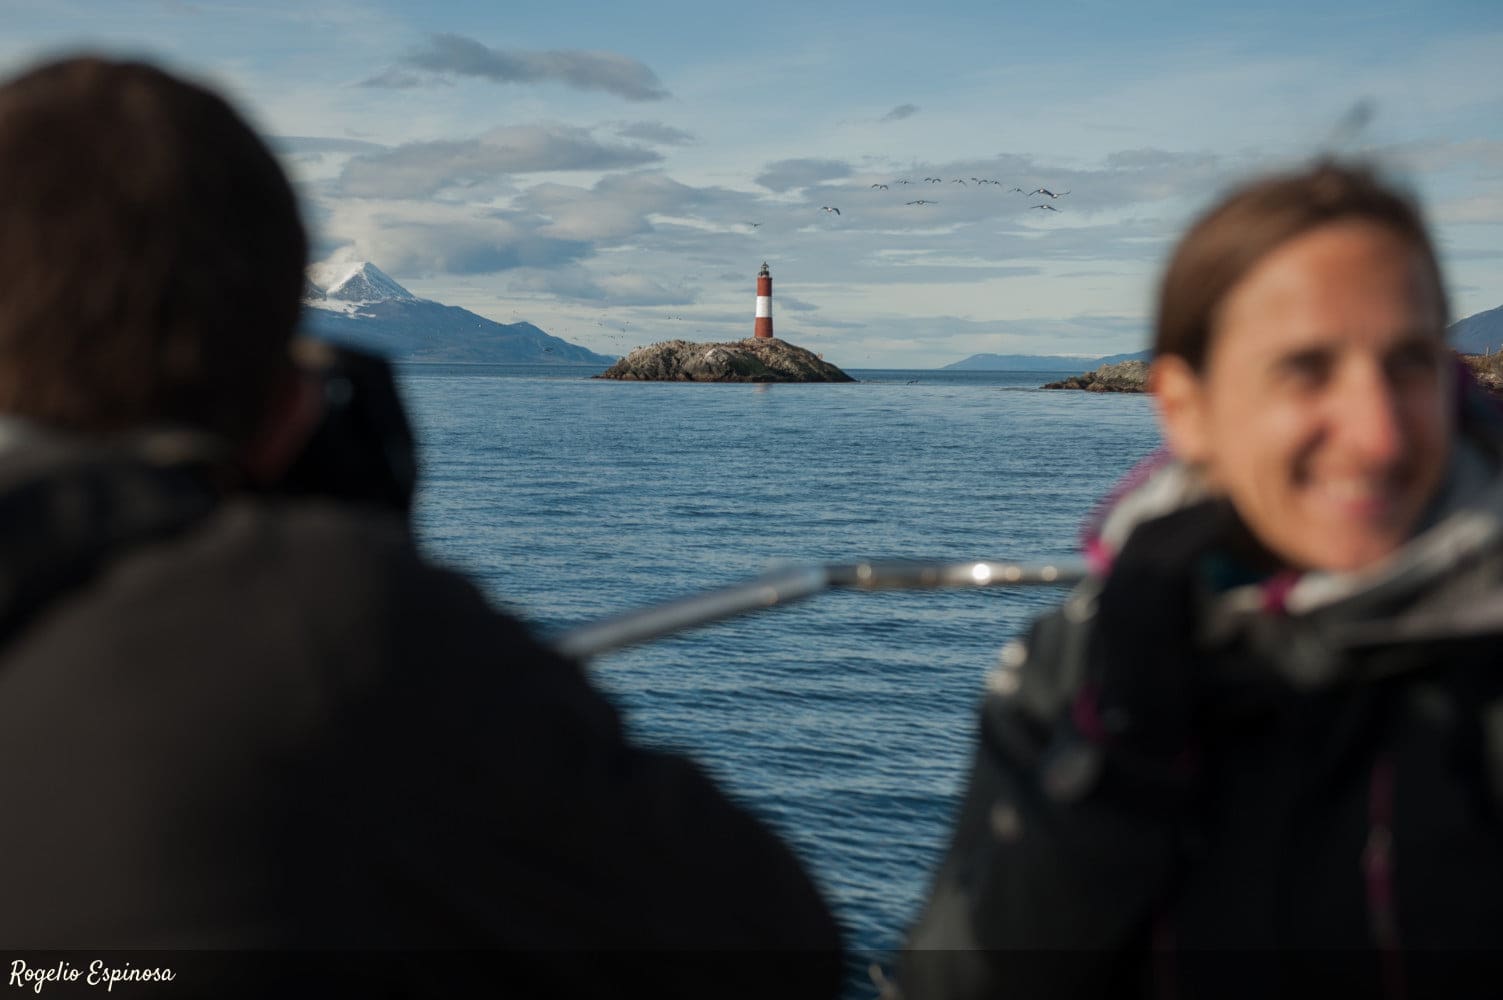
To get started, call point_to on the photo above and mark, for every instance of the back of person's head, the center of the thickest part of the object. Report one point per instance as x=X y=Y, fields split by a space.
x=1230 y=239
x=151 y=253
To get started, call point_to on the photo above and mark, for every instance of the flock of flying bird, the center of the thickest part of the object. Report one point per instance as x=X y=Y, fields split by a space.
x=1051 y=195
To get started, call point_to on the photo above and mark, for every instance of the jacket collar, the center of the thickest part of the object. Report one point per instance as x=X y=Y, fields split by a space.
x=1463 y=522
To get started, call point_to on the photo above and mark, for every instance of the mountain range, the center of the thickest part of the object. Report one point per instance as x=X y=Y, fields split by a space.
x=1040 y=362
x=360 y=305
x=1480 y=333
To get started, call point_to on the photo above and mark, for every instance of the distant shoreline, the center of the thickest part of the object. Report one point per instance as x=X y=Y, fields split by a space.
x=894 y=371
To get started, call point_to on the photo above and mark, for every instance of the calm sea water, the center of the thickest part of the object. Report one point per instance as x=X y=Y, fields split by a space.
x=846 y=721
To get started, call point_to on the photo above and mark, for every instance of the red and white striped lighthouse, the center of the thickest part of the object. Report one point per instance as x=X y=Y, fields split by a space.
x=762 y=327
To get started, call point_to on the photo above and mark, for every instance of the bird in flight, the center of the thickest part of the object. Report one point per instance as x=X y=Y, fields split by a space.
x=921 y=201
x=958 y=181
x=905 y=181
x=1049 y=207
x=882 y=186
x=1018 y=190
x=827 y=208
x=1046 y=191
x=934 y=180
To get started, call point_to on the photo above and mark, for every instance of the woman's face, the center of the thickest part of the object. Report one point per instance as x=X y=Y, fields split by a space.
x=1324 y=410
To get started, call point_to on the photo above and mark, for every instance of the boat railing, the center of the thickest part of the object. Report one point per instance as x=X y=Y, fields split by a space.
x=795 y=583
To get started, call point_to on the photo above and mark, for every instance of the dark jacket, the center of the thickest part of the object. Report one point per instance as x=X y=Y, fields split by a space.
x=237 y=722
x=1193 y=780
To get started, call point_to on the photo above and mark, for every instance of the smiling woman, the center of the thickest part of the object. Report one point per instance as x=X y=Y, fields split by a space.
x=1314 y=390
x=1272 y=726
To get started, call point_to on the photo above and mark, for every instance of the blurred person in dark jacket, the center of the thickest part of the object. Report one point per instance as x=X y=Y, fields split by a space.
x=247 y=719
x=1260 y=749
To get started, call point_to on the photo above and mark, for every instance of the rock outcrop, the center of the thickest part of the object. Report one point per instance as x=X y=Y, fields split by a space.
x=1125 y=376
x=1487 y=369
x=749 y=360
x=1132 y=376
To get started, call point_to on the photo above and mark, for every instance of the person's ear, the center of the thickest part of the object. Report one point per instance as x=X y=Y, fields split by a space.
x=297 y=405
x=1179 y=397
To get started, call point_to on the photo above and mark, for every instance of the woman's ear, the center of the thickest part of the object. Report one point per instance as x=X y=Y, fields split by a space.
x=296 y=407
x=1180 y=400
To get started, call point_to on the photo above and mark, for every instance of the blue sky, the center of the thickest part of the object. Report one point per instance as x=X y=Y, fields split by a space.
x=598 y=169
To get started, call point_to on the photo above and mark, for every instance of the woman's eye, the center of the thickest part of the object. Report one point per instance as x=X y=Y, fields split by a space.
x=1304 y=370
x=1415 y=360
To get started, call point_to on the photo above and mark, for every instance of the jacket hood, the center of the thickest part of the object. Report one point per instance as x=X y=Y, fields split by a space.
x=71 y=503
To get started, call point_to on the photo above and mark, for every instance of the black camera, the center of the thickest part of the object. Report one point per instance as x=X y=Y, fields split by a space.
x=363 y=449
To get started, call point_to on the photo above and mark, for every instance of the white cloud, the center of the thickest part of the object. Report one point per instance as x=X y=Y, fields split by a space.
x=656 y=132
x=449 y=55
x=615 y=288
x=789 y=174
x=408 y=239
x=421 y=169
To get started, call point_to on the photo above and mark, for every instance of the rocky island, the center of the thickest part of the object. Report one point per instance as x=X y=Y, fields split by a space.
x=1125 y=376
x=755 y=359
x=1132 y=376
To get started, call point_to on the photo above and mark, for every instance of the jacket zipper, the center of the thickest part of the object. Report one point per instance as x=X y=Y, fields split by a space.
x=1377 y=868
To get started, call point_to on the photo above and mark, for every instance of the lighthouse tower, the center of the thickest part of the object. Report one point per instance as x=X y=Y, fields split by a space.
x=762 y=326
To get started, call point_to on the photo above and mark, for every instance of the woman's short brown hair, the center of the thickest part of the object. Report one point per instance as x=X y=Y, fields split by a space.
x=1248 y=224
x=151 y=253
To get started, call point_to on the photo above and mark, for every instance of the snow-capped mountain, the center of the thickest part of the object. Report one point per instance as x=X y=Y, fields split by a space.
x=359 y=304
x=346 y=286
x=355 y=282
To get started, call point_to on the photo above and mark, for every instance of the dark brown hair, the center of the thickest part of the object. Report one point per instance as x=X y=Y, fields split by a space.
x=1248 y=224
x=151 y=253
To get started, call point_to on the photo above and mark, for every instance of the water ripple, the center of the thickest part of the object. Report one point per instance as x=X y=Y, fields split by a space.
x=847 y=721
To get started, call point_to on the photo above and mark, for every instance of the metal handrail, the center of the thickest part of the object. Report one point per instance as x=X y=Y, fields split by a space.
x=784 y=586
